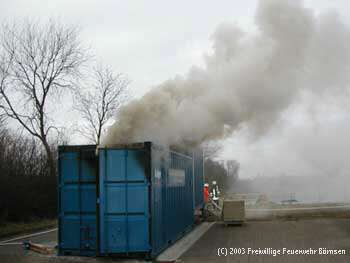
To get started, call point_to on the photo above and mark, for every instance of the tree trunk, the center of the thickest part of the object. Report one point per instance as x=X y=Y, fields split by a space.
x=50 y=160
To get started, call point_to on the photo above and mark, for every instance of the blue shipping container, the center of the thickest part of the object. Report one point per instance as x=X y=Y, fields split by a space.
x=144 y=194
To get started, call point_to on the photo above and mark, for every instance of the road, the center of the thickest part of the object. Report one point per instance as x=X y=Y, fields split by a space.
x=293 y=234
x=11 y=249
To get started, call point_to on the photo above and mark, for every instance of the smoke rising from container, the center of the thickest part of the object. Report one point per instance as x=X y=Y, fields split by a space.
x=247 y=81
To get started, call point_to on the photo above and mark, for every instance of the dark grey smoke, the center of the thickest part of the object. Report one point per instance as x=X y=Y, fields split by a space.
x=248 y=80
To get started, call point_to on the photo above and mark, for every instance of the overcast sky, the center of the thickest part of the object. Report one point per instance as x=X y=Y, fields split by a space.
x=151 y=41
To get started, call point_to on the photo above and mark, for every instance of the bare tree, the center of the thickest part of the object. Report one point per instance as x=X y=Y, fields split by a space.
x=211 y=150
x=100 y=101
x=37 y=61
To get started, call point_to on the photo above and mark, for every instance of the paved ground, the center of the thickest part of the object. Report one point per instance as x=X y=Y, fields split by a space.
x=301 y=234
x=16 y=253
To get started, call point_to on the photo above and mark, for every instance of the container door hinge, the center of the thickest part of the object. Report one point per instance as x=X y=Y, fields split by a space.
x=98 y=200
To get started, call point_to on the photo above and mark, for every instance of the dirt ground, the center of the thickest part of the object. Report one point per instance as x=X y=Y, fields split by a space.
x=278 y=234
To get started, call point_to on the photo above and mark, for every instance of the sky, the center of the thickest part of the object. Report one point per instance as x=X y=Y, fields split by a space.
x=152 y=41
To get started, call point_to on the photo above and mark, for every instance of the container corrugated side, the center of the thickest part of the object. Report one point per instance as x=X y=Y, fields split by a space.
x=172 y=197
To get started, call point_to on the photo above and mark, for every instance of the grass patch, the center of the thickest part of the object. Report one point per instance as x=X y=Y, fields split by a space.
x=10 y=229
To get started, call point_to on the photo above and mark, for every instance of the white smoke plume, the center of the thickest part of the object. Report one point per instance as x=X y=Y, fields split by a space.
x=248 y=80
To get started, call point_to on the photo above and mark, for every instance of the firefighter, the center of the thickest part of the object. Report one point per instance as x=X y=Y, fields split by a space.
x=206 y=193
x=215 y=192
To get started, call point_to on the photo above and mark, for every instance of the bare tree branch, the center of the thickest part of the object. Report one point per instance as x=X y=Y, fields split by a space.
x=211 y=150
x=100 y=102
x=36 y=61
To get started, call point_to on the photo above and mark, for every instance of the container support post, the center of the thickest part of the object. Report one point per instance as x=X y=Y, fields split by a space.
x=126 y=203
x=79 y=200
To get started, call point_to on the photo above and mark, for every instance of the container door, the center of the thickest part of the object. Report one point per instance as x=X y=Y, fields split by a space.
x=77 y=202
x=124 y=218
